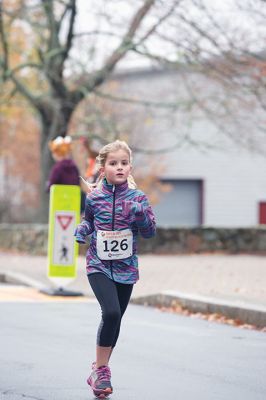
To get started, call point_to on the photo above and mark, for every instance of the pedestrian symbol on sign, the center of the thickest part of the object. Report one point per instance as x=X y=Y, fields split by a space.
x=64 y=251
x=64 y=227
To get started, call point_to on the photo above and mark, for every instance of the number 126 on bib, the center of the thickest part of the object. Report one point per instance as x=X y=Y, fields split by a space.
x=114 y=245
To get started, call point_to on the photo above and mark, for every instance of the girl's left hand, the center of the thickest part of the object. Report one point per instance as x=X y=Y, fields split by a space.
x=130 y=208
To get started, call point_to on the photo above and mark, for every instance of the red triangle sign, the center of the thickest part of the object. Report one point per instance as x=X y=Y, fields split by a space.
x=64 y=220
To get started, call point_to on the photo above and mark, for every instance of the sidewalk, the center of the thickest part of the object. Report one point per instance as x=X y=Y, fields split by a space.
x=203 y=282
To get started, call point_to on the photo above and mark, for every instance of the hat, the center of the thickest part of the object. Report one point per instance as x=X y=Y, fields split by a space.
x=60 y=146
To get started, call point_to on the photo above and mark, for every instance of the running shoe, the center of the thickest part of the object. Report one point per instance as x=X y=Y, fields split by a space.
x=100 y=381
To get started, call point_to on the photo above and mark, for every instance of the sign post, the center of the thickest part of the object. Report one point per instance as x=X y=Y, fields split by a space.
x=64 y=216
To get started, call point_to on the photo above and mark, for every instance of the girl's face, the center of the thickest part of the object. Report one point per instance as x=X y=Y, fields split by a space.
x=117 y=167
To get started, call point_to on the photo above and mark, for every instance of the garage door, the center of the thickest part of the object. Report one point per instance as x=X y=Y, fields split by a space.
x=182 y=205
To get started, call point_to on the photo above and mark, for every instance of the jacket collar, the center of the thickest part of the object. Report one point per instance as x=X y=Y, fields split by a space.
x=109 y=188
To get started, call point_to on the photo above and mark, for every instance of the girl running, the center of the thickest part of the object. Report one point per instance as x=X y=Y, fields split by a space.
x=115 y=213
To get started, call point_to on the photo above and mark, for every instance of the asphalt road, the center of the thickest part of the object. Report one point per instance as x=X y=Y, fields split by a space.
x=46 y=351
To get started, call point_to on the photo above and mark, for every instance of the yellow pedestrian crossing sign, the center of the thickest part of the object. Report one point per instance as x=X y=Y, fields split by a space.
x=64 y=216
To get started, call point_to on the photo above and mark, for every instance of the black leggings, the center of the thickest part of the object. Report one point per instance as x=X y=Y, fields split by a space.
x=113 y=298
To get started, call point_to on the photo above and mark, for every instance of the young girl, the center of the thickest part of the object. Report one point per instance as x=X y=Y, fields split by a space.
x=115 y=213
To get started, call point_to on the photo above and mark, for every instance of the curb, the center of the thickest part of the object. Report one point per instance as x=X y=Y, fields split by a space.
x=254 y=314
x=15 y=278
x=250 y=313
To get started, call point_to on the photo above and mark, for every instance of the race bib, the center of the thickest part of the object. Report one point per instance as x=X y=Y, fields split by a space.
x=114 y=245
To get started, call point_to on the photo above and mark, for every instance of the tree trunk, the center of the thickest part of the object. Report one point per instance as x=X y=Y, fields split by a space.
x=46 y=164
x=52 y=125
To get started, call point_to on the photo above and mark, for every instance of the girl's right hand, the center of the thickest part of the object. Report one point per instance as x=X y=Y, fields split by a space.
x=81 y=232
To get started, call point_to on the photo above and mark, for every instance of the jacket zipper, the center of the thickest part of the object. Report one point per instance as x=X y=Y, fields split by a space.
x=113 y=214
x=113 y=226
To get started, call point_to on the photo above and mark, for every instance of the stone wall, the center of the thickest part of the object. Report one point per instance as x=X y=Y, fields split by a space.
x=28 y=238
x=32 y=239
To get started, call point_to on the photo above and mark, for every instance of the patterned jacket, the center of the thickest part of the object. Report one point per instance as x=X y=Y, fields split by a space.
x=115 y=208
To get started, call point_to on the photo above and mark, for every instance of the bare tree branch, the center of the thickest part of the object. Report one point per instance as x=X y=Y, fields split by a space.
x=152 y=30
x=96 y=32
x=71 y=8
x=145 y=103
x=126 y=44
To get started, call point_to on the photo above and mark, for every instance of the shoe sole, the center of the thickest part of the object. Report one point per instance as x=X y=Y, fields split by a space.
x=102 y=393
x=102 y=396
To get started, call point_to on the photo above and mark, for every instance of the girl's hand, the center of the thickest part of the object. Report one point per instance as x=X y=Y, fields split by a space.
x=131 y=208
x=81 y=232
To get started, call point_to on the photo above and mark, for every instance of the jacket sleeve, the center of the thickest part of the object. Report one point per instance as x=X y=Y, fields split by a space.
x=86 y=227
x=143 y=215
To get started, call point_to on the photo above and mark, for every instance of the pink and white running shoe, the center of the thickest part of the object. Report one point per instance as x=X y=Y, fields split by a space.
x=100 y=381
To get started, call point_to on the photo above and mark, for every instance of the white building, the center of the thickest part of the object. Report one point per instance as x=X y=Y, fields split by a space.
x=220 y=186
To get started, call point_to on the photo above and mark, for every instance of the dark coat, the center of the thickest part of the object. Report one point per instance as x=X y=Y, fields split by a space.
x=64 y=172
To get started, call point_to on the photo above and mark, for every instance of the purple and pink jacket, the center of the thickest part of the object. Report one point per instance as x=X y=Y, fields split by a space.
x=116 y=207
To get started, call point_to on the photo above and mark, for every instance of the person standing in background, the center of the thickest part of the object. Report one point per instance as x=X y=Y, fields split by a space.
x=64 y=171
